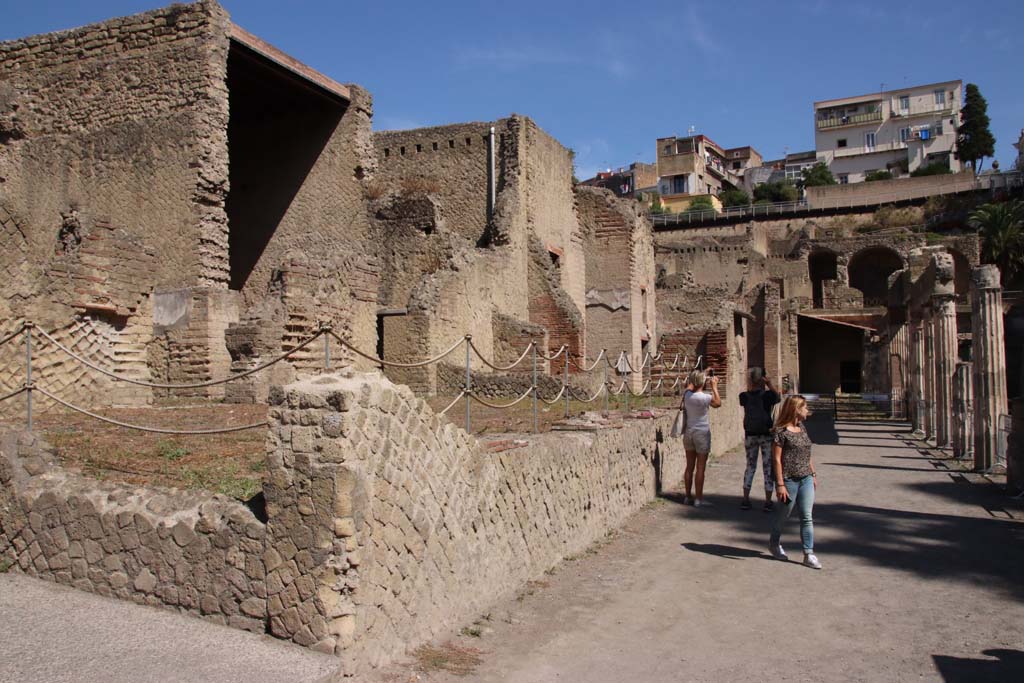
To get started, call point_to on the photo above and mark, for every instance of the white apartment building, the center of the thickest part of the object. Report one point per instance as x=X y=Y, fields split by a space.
x=896 y=130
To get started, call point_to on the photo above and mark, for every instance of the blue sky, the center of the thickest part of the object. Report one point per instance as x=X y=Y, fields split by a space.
x=608 y=78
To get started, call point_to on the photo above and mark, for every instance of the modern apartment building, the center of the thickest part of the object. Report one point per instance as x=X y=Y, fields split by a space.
x=895 y=130
x=693 y=166
x=626 y=182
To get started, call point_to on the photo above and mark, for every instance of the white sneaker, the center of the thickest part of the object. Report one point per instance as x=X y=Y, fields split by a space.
x=811 y=560
x=777 y=552
x=701 y=503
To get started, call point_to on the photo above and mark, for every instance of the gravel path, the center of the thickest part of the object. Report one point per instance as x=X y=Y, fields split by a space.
x=923 y=580
x=53 y=634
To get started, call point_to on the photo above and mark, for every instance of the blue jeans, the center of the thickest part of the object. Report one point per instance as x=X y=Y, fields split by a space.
x=801 y=492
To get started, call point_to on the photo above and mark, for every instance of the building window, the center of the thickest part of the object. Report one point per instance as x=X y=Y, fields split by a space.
x=736 y=164
x=937 y=129
x=869 y=141
x=844 y=179
x=940 y=97
x=668 y=149
x=841 y=142
x=904 y=135
x=904 y=103
x=679 y=184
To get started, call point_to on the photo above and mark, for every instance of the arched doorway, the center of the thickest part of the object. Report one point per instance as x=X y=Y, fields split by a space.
x=821 y=266
x=961 y=274
x=869 y=271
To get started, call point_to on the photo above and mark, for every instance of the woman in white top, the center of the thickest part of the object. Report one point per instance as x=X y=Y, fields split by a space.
x=697 y=437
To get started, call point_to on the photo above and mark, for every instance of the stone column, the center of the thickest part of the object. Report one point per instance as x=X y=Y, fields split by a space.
x=989 y=372
x=962 y=410
x=899 y=369
x=916 y=389
x=944 y=322
x=928 y=372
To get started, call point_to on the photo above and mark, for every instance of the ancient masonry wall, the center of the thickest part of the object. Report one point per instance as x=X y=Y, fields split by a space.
x=419 y=529
x=124 y=121
x=621 y=299
x=201 y=553
x=551 y=208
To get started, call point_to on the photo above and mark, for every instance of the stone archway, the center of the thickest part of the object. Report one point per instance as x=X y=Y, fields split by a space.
x=822 y=264
x=869 y=271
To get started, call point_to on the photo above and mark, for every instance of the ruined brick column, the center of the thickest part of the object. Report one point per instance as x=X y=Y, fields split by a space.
x=962 y=410
x=928 y=372
x=916 y=391
x=989 y=373
x=943 y=305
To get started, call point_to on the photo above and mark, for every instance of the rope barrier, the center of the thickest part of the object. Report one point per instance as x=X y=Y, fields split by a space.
x=193 y=385
x=592 y=398
x=155 y=430
x=12 y=394
x=500 y=368
x=559 y=352
x=555 y=399
x=12 y=335
x=583 y=369
x=621 y=388
x=643 y=389
x=452 y=404
x=500 y=406
x=381 y=361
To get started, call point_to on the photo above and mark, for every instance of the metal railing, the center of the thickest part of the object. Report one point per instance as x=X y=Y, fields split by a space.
x=838 y=121
x=31 y=335
x=985 y=181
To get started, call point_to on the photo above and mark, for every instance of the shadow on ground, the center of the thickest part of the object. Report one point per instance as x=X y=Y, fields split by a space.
x=1005 y=665
x=987 y=551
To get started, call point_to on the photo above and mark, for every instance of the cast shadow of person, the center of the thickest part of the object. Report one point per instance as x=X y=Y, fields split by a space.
x=1007 y=665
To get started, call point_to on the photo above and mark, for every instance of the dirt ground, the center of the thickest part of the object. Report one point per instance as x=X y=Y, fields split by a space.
x=232 y=463
x=921 y=581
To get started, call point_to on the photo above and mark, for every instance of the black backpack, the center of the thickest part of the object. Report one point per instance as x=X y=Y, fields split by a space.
x=756 y=417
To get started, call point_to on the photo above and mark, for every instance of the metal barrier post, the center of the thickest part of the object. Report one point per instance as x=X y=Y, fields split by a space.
x=835 y=407
x=604 y=379
x=469 y=401
x=566 y=381
x=536 y=424
x=327 y=351
x=28 y=376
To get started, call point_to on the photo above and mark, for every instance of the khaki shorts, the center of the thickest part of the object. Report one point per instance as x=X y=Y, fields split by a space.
x=697 y=440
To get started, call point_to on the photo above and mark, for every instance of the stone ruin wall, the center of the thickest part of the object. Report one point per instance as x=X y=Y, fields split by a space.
x=621 y=298
x=436 y=530
x=123 y=121
x=201 y=553
x=385 y=525
x=124 y=127
x=431 y=194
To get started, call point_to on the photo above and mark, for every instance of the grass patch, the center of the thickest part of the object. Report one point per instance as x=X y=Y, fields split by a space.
x=472 y=631
x=460 y=661
x=6 y=564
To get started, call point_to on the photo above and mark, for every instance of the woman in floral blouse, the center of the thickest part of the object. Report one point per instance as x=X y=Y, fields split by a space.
x=795 y=478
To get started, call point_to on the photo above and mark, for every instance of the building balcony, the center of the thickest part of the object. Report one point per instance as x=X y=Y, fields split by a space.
x=854 y=120
x=923 y=110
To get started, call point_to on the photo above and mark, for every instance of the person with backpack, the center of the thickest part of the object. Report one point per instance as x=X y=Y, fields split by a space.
x=757 y=402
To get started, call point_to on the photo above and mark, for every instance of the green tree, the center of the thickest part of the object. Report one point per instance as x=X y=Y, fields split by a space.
x=656 y=206
x=734 y=197
x=974 y=140
x=701 y=203
x=1001 y=227
x=817 y=175
x=775 y=192
x=878 y=175
x=936 y=168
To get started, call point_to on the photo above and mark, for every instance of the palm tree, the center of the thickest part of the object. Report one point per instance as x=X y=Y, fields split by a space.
x=1001 y=226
